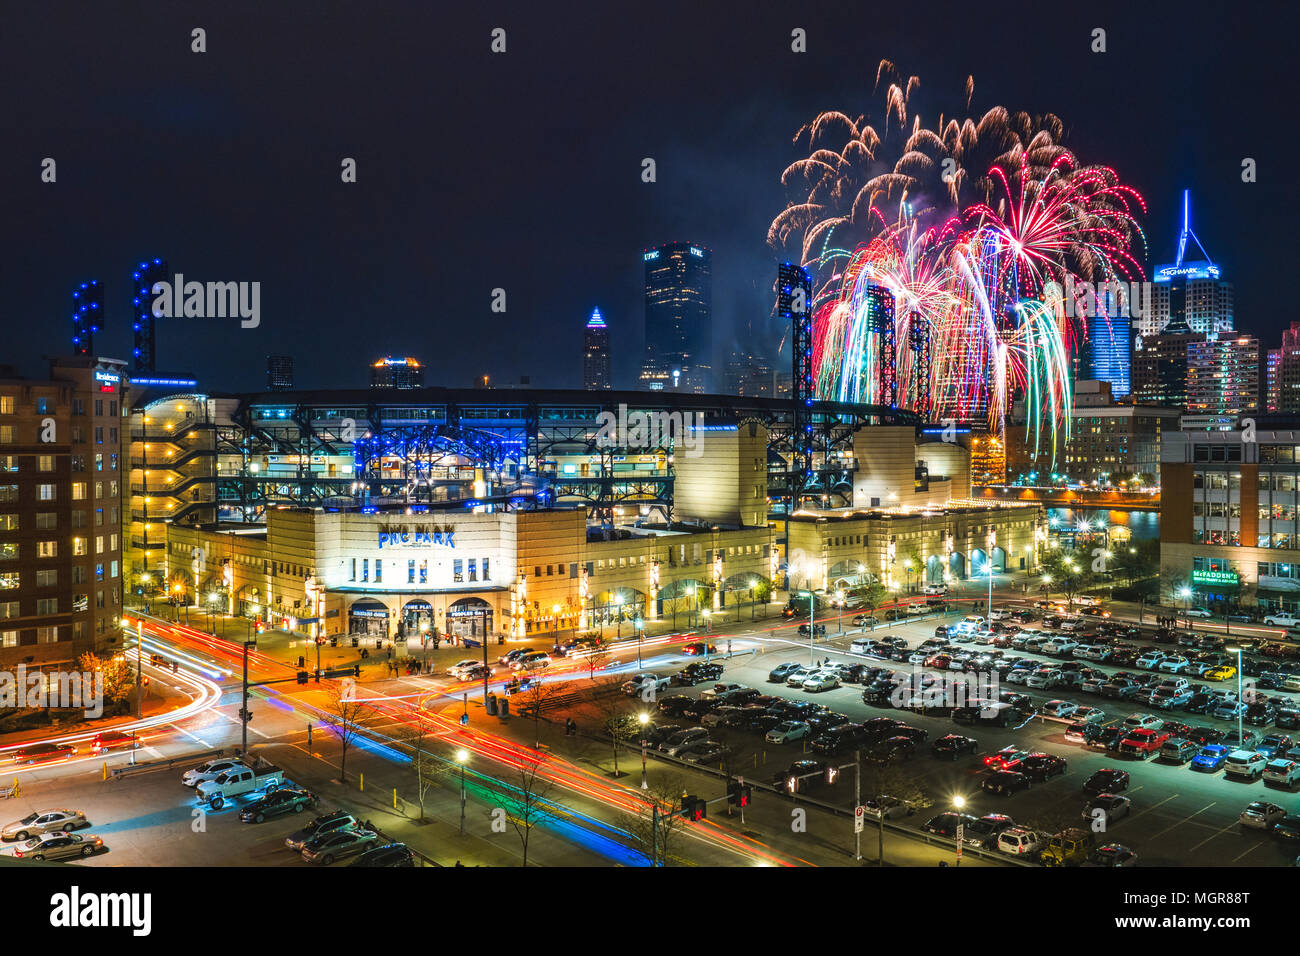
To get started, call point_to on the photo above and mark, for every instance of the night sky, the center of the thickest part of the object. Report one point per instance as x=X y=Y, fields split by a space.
x=522 y=170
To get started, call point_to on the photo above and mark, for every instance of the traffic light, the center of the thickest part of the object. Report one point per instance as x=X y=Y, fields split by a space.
x=733 y=794
x=746 y=791
x=245 y=715
x=258 y=626
x=693 y=808
x=302 y=677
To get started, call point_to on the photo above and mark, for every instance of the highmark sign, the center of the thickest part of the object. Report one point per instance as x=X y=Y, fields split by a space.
x=420 y=536
x=1215 y=577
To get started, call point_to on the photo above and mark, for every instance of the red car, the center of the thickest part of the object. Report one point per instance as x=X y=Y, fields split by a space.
x=114 y=740
x=696 y=648
x=43 y=753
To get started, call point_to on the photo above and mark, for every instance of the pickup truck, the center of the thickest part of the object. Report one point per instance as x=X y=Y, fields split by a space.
x=238 y=781
x=1143 y=742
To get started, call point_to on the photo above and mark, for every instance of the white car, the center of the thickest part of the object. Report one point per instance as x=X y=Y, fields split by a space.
x=822 y=680
x=787 y=731
x=531 y=662
x=936 y=589
x=1059 y=645
x=890 y=808
x=1196 y=612
x=1000 y=614
x=1143 y=722
x=1059 y=708
x=1282 y=772
x=1174 y=665
x=1108 y=807
x=209 y=771
x=1245 y=763
x=1088 y=715
x=1044 y=678
x=462 y=669
x=1072 y=624
x=1150 y=661
x=1018 y=841
x=1283 y=619
x=1261 y=815
x=717 y=689
x=44 y=821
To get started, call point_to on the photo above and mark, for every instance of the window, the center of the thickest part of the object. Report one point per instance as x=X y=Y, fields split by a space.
x=365 y=569
x=379 y=570
x=9 y=581
x=45 y=492
x=8 y=462
x=99 y=574
x=78 y=519
x=8 y=610
x=457 y=570
x=6 y=434
x=47 y=579
x=410 y=571
x=8 y=551
x=47 y=605
x=8 y=638
x=99 y=462
x=99 y=406
x=99 y=544
x=47 y=635
x=424 y=572
x=78 y=491
x=47 y=520
x=473 y=569
x=352 y=573
x=6 y=404
x=78 y=546
x=8 y=492
x=99 y=517
x=47 y=549
x=486 y=576
x=113 y=571
x=78 y=574
x=44 y=462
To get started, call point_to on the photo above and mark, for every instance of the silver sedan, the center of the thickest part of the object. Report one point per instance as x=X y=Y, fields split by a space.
x=54 y=846
x=44 y=821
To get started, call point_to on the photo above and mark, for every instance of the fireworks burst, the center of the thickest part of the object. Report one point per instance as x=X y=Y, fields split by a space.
x=973 y=227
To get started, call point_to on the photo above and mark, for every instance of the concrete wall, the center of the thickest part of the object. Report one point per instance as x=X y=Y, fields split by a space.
x=724 y=478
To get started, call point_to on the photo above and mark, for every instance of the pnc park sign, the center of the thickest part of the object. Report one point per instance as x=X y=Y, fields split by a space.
x=417 y=536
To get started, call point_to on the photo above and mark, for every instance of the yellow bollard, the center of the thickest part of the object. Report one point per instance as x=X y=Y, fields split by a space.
x=394 y=798
x=18 y=791
x=361 y=777
x=105 y=769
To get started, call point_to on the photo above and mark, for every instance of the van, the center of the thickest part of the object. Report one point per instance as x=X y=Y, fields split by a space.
x=1178 y=750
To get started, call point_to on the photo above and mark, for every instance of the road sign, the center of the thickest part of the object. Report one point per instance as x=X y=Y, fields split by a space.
x=859 y=818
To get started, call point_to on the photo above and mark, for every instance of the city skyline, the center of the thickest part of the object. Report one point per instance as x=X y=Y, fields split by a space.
x=273 y=214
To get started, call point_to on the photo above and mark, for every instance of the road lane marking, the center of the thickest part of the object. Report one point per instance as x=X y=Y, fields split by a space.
x=1187 y=819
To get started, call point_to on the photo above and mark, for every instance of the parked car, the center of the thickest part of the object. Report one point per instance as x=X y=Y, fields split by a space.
x=1261 y=815
x=209 y=770
x=59 y=845
x=338 y=820
x=945 y=824
x=1107 y=780
x=1282 y=772
x=1245 y=763
x=1019 y=841
x=1003 y=782
x=337 y=845
x=952 y=746
x=390 y=855
x=45 y=821
x=1107 y=807
x=277 y=802
x=787 y=731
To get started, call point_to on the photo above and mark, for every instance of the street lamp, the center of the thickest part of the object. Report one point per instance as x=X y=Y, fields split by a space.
x=462 y=757
x=958 y=803
x=1240 y=702
x=639 y=624
x=839 y=604
x=1047 y=579
x=643 y=719
x=555 y=624
x=1186 y=594
x=690 y=592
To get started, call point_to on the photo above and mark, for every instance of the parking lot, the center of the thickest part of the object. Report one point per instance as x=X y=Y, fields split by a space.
x=1179 y=816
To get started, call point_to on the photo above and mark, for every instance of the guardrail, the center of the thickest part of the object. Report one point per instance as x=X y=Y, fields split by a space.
x=165 y=764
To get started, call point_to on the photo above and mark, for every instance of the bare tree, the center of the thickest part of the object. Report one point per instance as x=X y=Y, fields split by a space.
x=530 y=799
x=611 y=709
x=657 y=823
x=597 y=655
x=342 y=704
x=538 y=696
x=882 y=780
x=426 y=766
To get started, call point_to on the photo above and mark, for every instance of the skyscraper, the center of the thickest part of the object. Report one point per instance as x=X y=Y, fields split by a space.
x=595 y=353
x=1223 y=375
x=87 y=316
x=1188 y=289
x=1108 y=346
x=390 y=372
x=1160 y=366
x=142 y=282
x=678 y=317
x=1284 y=373
x=279 y=373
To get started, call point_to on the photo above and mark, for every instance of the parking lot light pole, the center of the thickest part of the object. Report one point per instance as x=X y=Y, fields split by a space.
x=839 y=599
x=1240 y=702
x=812 y=624
x=959 y=803
x=639 y=624
x=243 y=713
x=139 y=667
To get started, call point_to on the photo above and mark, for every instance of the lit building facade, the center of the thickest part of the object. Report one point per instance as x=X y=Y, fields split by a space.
x=679 y=317
x=595 y=353
x=1223 y=375
x=401 y=372
x=61 y=469
x=1109 y=441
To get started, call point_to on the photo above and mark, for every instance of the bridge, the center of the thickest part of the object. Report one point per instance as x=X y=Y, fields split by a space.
x=1070 y=497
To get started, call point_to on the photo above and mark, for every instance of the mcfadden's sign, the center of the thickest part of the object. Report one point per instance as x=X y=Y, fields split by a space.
x=417 y=536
